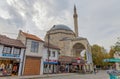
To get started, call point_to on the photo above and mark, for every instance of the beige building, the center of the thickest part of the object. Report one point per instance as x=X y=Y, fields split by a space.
x=33 y=55
x=69 y=42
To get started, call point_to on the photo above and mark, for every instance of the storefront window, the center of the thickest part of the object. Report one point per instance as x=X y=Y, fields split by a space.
x=8 y=67
x=49 y=66
x=45 y=65
x=7 y=49
x=16 y=51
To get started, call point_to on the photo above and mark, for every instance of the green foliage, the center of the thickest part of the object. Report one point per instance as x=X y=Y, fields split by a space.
x=98 y=54
x=85 y=56
x=111 y=52
x=117 y=46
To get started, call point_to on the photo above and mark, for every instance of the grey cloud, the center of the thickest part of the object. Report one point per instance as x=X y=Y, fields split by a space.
x=98 y=19
x=54 y=7
x=16 y=19
x=28 y=7
x=7 y=28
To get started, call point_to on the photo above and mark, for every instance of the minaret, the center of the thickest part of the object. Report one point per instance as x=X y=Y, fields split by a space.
x=75 y=16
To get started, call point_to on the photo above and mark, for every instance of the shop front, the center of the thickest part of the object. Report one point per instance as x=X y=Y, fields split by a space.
x=71 y=64
x=11 y=56
x=78 y=65
x=65 y=64
x=10 y=65
x=50 y=66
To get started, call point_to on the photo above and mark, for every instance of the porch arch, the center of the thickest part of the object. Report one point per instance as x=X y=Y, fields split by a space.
x=77 y=49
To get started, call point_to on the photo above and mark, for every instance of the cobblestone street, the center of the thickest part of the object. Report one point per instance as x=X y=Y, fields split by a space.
x=99 y=75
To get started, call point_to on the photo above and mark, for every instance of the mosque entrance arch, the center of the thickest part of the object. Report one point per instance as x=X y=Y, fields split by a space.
x=77 y=49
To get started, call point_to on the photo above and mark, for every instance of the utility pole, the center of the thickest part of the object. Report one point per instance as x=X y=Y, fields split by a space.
x=48 y=51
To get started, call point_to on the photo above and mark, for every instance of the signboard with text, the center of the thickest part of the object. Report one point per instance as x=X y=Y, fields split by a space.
x=50 y=61
x=11 y=55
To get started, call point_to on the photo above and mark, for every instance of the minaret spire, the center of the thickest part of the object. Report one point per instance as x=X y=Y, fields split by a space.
x=75 y=16
x=75 y=9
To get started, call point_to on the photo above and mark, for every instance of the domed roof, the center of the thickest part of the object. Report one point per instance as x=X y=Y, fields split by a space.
x=60 y=27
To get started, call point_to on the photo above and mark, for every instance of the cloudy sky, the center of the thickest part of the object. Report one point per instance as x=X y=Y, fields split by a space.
x=98 y=19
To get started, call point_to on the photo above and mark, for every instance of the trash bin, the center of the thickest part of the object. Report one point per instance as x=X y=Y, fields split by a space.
x=114 y=74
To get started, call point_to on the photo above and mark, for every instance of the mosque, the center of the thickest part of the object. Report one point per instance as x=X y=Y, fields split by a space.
x=70 y=43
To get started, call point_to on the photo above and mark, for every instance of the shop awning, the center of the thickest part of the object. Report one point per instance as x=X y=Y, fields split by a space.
x=112 y=60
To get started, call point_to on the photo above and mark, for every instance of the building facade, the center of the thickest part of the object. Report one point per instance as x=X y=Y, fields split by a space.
x=11 y=56
x=70 y=43
x=50 y=60
x=33 y=55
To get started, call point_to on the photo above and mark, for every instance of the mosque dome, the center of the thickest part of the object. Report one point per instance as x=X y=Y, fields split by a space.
x=60 y=27
x=60 y=32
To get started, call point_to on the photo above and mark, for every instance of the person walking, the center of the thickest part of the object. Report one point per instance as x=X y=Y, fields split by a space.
x=95 y=70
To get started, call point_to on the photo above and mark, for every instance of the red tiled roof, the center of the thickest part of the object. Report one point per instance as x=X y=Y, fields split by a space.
x=30 y=36
x=51 y=46
x=4 y=40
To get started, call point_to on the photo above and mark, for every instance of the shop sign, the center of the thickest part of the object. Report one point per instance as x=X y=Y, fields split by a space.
x=51 y=60
x=10 y=55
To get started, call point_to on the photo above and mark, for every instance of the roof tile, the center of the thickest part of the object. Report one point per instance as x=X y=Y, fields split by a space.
x=31 y=36
x=4 y=40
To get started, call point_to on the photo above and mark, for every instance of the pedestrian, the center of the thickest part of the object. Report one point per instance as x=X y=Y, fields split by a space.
x=95 y=70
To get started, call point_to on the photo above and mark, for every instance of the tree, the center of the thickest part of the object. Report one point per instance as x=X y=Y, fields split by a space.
x=114 y=49
x=111 y=52
x=98 y=54
x=117 y=46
